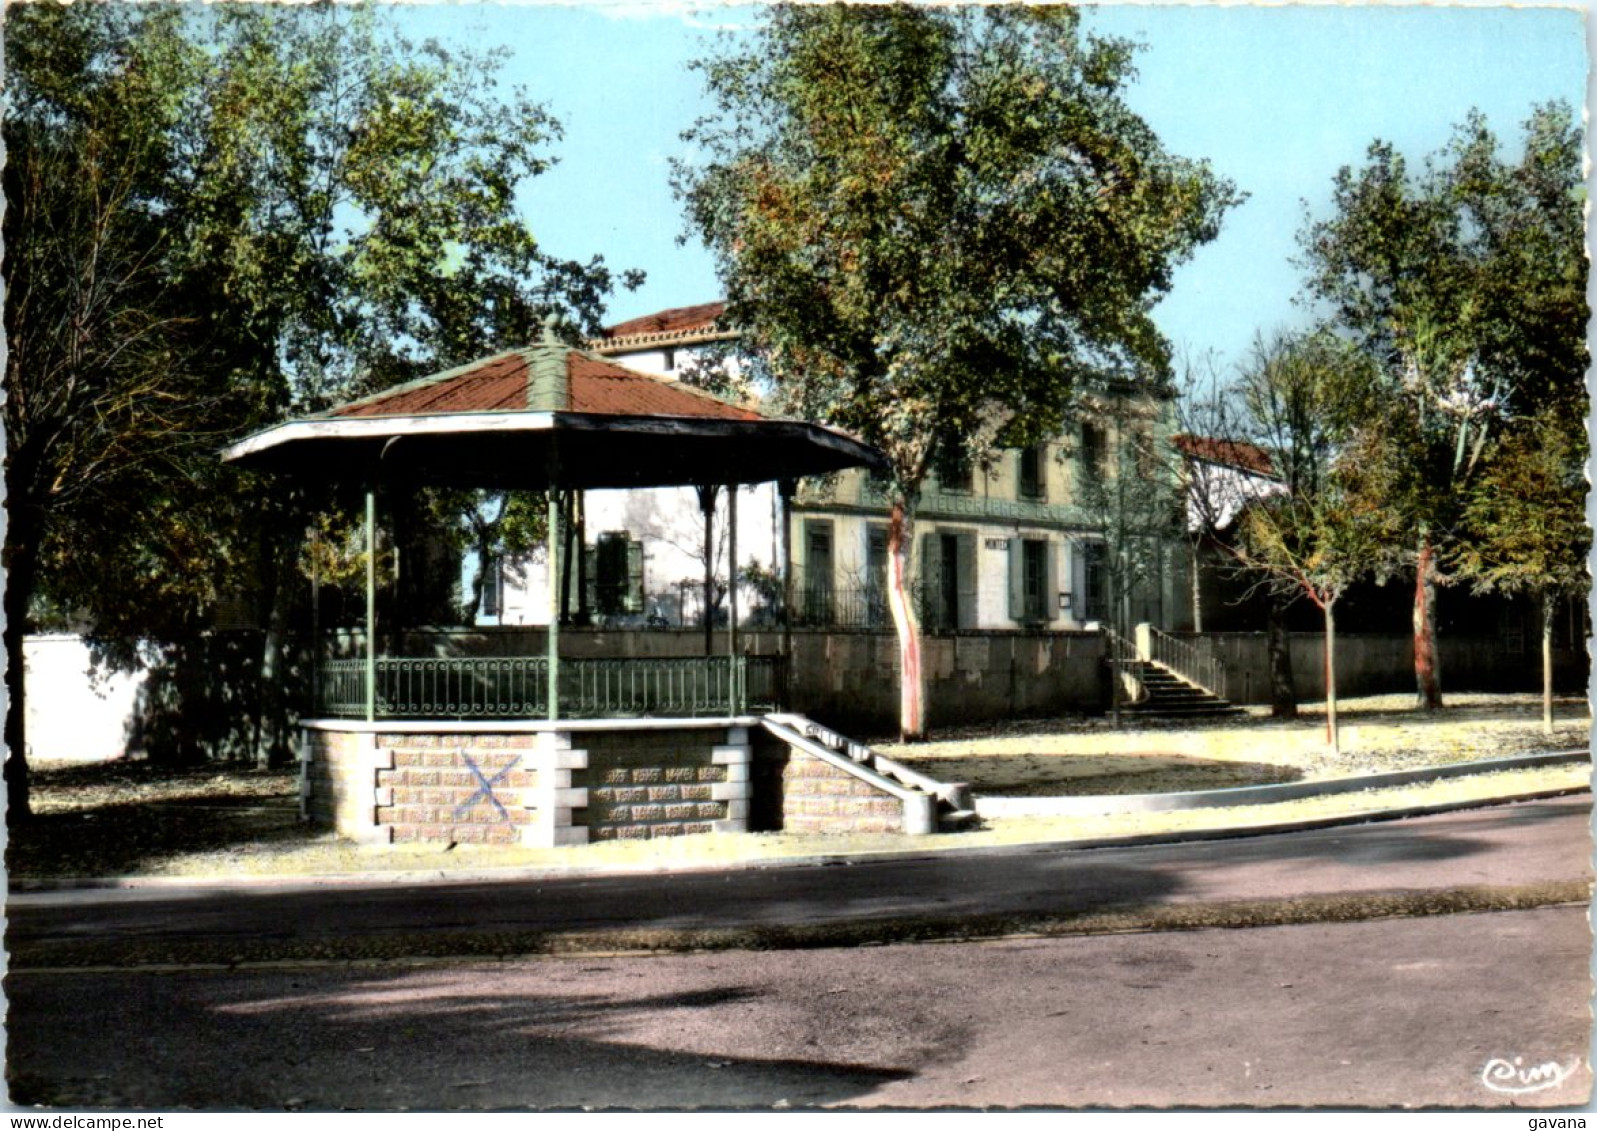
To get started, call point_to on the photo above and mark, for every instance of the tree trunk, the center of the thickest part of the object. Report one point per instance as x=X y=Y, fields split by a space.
x=1547 y=663
x=1283 y=694
x=1333 y=735
x=21 y=574
x=1197 y=591
x=1427 y=669
x=912 y=674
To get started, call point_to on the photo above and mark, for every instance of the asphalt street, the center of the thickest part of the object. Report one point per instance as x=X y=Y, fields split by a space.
x=1527 y=854
x=1478 y=1010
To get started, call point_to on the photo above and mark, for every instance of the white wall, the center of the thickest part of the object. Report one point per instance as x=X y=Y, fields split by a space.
x=667 y=520
x=72 y=713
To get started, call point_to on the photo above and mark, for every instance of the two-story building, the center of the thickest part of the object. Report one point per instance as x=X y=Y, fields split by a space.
x=1024 y=543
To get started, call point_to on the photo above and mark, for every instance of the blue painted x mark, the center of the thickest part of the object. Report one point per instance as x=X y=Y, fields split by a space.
x=485 y=787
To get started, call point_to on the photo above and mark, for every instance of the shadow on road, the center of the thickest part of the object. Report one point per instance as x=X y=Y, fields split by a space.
x=467 y=1038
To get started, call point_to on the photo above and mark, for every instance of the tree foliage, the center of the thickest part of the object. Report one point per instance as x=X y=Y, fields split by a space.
x=219 y=216
x=1305 y=396
x=929 y=219
x=1524 y=529
x=1465 y=282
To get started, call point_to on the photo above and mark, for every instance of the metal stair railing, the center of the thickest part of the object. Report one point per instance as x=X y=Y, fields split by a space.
x=1125 y=665
x=955 y=794
x=1195 y=665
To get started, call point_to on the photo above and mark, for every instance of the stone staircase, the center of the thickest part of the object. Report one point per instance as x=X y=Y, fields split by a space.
x=1168 y=696
x=951 y=805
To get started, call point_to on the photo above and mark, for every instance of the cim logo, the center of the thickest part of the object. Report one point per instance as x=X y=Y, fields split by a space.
x=1515 y=1079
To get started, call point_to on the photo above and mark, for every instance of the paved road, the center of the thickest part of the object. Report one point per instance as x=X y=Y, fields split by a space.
x=1516 y=855
x=1399 y=1012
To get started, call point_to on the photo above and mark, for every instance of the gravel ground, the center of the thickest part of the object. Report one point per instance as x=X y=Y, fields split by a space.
x=1378 y=733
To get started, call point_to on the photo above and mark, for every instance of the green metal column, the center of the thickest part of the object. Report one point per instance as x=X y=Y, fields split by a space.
x=732 y=598
x=371 y=604
x=553 y=557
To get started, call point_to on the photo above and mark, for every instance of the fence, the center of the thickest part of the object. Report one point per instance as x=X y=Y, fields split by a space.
x=1192 y=659
x=507 y=687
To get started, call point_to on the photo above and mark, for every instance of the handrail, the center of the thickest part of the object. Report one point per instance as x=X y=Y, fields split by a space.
x=1125 y=665
x=1195 y=665
x=510 y=687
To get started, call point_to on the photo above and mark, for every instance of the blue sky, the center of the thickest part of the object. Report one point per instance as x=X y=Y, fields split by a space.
x=1276 y=98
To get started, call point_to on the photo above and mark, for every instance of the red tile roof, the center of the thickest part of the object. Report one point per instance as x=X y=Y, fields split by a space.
x=605 y=388
x=504 y=383
x=677 y=320
x=1228 y=453
x=496 y=384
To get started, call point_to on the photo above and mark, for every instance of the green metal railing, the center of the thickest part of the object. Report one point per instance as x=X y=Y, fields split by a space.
x=517 y=687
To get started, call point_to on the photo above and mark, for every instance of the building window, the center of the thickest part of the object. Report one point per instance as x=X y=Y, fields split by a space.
x=493 y=588
x=1034 y=569
x=617 y=574
x=1093 y=581
x=948 y=581
x=1094 y=450
x=816 y=600
x=670 y=359
x=953 y=469
x=1032 y=584
x=876 y=582
x=1032 y=483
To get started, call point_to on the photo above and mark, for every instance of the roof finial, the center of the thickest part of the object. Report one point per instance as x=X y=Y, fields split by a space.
x=551 y=323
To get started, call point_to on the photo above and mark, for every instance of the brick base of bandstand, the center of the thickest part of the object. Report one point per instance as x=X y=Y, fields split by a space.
x=544 y=784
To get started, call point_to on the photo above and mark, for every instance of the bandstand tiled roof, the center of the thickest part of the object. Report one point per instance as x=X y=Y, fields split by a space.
x=543 y=414
x=511 y=382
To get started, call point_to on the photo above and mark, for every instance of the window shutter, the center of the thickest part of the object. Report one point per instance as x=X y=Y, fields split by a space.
x=492 y=583
x=590 y=575
x=1017 y=580
x=965 y=574
x=1078 y=581
x=931 y=578
x=634 y=595
x=1050 y=588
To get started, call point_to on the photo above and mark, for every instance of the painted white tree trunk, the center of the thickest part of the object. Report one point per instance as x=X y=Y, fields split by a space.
x=906 y=621
x=1333 y=734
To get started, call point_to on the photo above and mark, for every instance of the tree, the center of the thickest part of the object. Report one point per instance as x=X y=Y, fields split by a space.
x=1223 y=470
x=1215 y=475
x=1467 y=284
x=219 y=217
x=1304 y=395
x=1131 y=500
x=926 y=219
x=1524 y=524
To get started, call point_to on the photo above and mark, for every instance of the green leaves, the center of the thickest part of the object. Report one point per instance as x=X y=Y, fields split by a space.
x=926 y=217
x=220 y=216
x=1523 y=528
x=1306 y=397
x=1465 y=282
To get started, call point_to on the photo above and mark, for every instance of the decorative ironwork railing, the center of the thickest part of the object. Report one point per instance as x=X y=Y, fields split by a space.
x=866 y=607
x=1189 y=660
x=840 y=606
x=517 y=687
